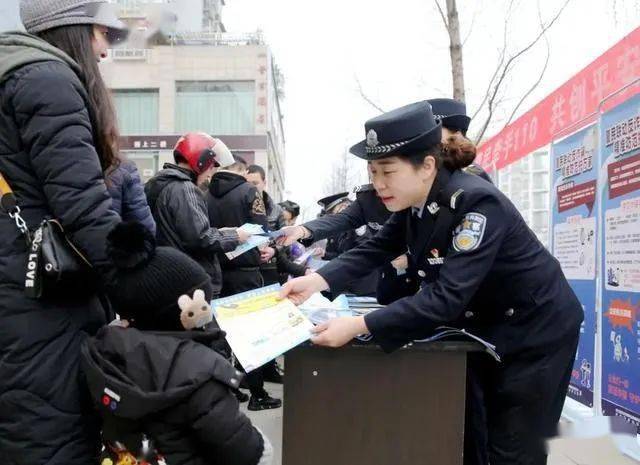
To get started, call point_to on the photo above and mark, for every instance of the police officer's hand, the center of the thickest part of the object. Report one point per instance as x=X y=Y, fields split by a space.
x=338 y=331
x=292 y=234
x=400 y=263
x=300 y=289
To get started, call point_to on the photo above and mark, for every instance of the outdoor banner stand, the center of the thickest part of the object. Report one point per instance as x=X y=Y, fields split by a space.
x=595 y=219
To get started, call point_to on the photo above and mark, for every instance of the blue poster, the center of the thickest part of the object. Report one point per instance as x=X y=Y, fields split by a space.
x=574 y=242
x=620 y=225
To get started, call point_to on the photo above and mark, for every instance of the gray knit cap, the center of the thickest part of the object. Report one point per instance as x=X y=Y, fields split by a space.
x=40 y=15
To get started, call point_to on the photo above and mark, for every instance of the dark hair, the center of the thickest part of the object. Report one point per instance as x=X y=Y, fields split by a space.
x=291 y=207
x=456 y=153
x=238 y=160
x=257 y=169
x=75 y=41
x=239 y=164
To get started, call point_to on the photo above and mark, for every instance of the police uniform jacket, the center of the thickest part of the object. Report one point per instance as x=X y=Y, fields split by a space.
x=367 y=209
x=361 y=220
x=480 y=267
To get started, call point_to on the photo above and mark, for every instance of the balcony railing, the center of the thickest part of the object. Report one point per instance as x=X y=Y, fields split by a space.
x=216 y=38
x=130 y=53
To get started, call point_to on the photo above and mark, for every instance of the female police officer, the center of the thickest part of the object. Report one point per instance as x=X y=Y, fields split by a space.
x=481 y=268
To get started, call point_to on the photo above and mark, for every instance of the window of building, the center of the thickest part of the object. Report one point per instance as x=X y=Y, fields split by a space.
x=540 y=200
x=215 y=107
x=541 y=161
x=147 y=163
x=137 y=110
x=540 y=220
x=541 y=181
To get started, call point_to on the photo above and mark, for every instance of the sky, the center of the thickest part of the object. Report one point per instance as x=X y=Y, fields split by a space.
x=398 y=51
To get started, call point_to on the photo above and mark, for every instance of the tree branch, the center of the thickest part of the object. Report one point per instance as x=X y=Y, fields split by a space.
x=365 y=97
x=442 y=15
x=503 y=55
x=542 y=73
x=473 y=21
x=507 y=67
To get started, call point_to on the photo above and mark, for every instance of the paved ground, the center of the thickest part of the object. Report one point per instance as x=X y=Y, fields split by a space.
x=599 y=451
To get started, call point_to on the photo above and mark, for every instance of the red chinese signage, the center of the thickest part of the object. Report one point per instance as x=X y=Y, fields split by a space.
x=624 y=176
x=572 y=102
x=571 y=195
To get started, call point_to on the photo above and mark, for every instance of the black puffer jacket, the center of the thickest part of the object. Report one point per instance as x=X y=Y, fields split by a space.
x=177 y=391
x=182 y=220
x=232 y=202
x=48 y=157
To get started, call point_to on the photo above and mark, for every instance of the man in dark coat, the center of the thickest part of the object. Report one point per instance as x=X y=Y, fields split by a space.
x=179 y=208
x=233 y=201
x=276 y=261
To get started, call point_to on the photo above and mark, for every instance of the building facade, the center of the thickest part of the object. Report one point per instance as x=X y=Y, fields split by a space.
x=526 y=183
x=9 y=15
x=226 y=85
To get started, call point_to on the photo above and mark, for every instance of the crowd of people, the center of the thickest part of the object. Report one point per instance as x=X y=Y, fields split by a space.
x=130 y=366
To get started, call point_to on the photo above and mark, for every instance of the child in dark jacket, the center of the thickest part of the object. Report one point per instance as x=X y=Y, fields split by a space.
x=164 y=393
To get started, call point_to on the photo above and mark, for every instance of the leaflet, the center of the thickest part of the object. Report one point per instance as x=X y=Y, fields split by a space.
x=259 y=326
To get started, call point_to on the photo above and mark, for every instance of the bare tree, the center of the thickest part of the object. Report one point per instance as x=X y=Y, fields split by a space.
x=365 y=97
x=494 y=96
x=540 y=76
x=343 y=176
x=505 y=67
x=452 y=25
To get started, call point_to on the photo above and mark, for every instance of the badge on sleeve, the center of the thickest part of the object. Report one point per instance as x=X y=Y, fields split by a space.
x=468 y=234
x=257 y=207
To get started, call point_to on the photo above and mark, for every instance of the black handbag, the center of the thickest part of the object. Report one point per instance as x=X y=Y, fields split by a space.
x=55 y=266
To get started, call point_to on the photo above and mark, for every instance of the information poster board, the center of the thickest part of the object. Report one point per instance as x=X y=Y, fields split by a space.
x=620 y=225
x=574 y=241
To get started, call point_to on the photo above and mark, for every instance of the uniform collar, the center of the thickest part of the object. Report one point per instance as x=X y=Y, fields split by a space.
x=441 y=180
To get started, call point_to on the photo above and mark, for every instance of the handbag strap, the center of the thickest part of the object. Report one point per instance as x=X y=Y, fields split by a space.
x=9 y=205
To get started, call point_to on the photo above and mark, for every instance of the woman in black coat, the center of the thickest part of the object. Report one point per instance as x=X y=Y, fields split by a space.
x=57 y=136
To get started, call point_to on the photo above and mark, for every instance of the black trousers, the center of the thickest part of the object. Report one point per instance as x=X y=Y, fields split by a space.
x=236 y=281
x=519 y=402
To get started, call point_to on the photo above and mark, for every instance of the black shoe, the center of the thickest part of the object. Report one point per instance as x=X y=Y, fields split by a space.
x=241 y=396
x=264 y=403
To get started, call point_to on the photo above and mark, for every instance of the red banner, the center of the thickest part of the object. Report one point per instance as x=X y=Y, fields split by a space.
x=573 y=101
x=624 y=176
x=571 y=196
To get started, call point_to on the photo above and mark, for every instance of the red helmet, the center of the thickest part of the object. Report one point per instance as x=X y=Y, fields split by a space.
x=200 y=151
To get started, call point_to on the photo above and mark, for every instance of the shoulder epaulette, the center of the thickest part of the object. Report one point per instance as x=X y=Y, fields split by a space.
x=454 y=198
x=363 y=188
